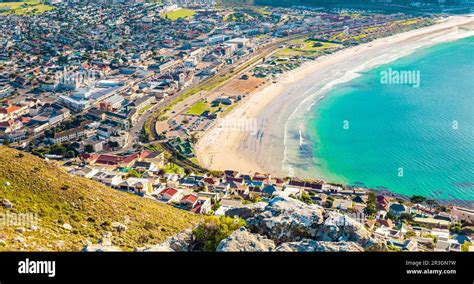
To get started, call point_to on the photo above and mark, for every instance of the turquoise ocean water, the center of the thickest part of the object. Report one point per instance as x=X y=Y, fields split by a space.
x=400 y=138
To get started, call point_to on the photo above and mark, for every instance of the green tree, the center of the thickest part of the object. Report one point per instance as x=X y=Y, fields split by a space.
x=113 y=144
x=329 y=201
x=133 y=173
x=89 y=149
x=70 y=154
x=406 y=216
x=306 y=198
x=213 y=230
x=417 y=199
x=371 y=208
x=465 y=246
x=410 y=234
x=391 y=216
x=456 y=229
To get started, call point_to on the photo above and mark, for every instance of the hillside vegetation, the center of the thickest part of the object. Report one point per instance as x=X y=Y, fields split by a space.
x=24 y=8
x=91 y=209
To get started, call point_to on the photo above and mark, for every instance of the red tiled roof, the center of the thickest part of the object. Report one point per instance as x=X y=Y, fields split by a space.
x=238 y=180
x=197 y=209
x=131 y=158
x=7 y=123
x=109 y=159
x=169 y=191
x=9 y=109
x=261 y=175
x=209 y=180
x=113 y=160
x=191 y=198
x=146 y=153
x=382 y=199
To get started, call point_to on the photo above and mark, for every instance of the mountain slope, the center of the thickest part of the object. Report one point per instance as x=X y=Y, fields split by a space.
x=32 y=185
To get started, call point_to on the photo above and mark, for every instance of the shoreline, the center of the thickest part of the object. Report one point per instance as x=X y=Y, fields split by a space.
x=279 y=110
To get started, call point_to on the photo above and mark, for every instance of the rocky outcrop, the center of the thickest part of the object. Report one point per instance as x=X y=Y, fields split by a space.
x=180 y=242
x=285 y=224
x=104 y=245
x=246 y=211
x=243 y=240
x=100 y=248
x=155 y=248
x=318 y=246
x=338 y=227
x=286 y=219
x=296 y=226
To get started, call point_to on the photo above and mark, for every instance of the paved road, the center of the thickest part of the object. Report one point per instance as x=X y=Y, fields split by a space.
x=262 y=53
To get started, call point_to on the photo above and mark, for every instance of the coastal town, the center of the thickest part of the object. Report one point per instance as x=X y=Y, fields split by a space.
x=120 y=92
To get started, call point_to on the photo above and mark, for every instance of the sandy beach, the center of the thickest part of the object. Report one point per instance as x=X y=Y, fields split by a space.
x=264 y=132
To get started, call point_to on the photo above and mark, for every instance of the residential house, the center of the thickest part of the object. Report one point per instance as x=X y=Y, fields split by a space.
x=331 y=188
x=108 y=178
x=463 y=214
x=69 y=135
x=188 y=201
x=145 y=166
x=342 y=204
x=445 y=244
x=290 y=191
x=140 y=186
x=86 y=172
x=432 y=223
x=261 y=177
x=382 y=203
x=203 y=206
x=170 y=195
x=157 y=158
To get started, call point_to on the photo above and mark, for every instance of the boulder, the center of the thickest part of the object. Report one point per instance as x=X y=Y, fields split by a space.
x=246 y=211
x=104 y=245
x=243 y=240
x=286 y=219
x=119 y=227
x=20 y=230
x=7 y=204
x=339 y=227
x=106 y=239
x=180 y=242
x=318 y=246
x=155 y=248
x=100 y=248
x=19 y=239
x=67 y=226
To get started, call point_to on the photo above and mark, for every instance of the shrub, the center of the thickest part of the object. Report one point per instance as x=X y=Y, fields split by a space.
x=306 y=198
x=149 y=226
x=417 y=199
x=213 y=230
x=410 y=234
x=465 y=246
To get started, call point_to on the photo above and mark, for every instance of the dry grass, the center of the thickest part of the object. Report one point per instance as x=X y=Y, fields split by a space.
x=238 y=86
x=43 y=188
